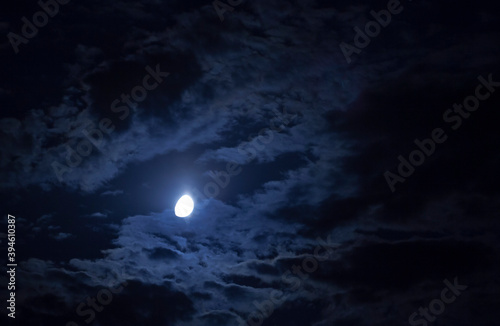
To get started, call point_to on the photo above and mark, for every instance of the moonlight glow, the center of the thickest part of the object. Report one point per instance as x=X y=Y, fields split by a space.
x=184 y=206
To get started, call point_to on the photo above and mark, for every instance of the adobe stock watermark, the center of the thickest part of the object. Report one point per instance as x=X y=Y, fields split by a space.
x=221 y=7
x=437 y=306
x=372 y=29
x=309 y=264
x=89 y=307
x=40 y=19
x=94 y=135
x=427 y=146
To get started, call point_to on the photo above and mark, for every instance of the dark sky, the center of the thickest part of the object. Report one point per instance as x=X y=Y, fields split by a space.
x=342 y=156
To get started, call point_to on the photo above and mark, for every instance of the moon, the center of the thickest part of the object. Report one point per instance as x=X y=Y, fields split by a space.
x=184 y=206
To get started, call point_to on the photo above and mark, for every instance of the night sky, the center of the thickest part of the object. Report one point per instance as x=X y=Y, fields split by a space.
x=342 y=157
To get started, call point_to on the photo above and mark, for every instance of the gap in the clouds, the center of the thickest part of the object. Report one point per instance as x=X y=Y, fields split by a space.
x=254 y=175
x=161 y=103
x=66 y=231
x=244 y=128
x=38 y=90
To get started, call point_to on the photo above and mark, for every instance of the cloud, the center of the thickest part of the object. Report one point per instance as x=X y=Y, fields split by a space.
x=62 y=236
x=112 y=193
x=99 y=215
x=44 y=218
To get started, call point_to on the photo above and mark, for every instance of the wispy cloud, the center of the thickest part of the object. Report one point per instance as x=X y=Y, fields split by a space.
x=112 y=193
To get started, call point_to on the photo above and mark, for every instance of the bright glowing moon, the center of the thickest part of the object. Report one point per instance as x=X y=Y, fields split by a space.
x=184 y=206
